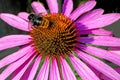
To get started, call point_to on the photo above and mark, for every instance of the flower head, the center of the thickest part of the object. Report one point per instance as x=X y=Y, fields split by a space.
x=56 y=40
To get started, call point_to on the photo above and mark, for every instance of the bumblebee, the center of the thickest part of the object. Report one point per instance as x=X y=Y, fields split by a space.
x=36 y=20
x=39 y=20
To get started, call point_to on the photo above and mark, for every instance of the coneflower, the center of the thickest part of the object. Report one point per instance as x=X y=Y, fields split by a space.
x=55 y=39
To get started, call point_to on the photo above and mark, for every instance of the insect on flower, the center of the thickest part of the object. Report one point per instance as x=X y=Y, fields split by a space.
x=37 y=20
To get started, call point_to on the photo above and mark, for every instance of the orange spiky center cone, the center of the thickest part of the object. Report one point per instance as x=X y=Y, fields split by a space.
x=55 y=36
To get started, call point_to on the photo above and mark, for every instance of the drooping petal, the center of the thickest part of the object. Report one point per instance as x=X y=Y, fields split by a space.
x=67 y=7
x=38 y=8
x=17 y=74
x=14 y=56
x=82 y=9
x=101 y=32
x=99 y=65
x=66 y=70
x=23 y=15
x=14 y=21
x=91 y=15
x=44 y=71
x=115 y=58
x=101 y=40
x=54 y=71
x=84 y=72
x=13 y=41
x=100 y=22
x=53 y=5
x=12 y=67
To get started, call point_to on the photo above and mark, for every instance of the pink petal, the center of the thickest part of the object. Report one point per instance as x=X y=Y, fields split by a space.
x=99 y=65
x=101 y=40
x=115 y=50
x=27 y=72
x=101 y=32
x=38 y=8
x=66 y=70
x=103 y=77
x=14 y=21
x=54 y=71
x=23 y=15
x=53 y=6
x=13 y=41
x=33 y=69
x=12 y=67
x=82 y=9
x=102 y=21
x=84 y=72
x=118 y=69
x=100 y=75
x=91 y=15
x=44 y=71
x=94 y=70
x=20 y=71
x=15 y=56
x=67 y=7
x=115 y=58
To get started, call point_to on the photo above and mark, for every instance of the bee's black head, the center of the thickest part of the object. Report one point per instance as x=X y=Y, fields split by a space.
x=31 y=17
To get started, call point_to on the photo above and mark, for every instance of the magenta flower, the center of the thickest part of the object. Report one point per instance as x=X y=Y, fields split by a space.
x=58 y=38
